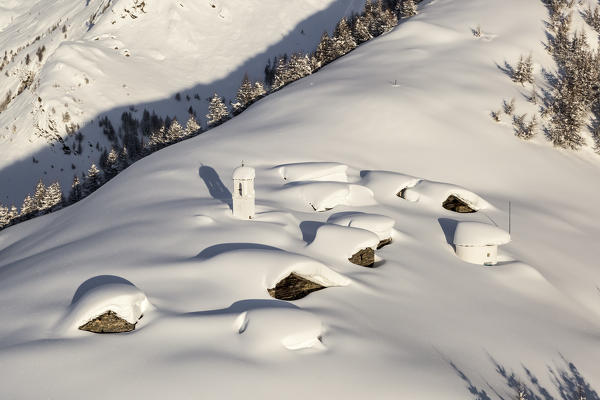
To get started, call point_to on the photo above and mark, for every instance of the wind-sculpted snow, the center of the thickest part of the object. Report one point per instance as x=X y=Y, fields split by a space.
x=422 y=325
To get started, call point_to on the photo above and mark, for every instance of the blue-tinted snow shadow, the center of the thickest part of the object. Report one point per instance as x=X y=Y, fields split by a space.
x=309 y=230
x=244 y=305
x=448 y=227
x=227 y=247
x=215 y=185
x=95 y=282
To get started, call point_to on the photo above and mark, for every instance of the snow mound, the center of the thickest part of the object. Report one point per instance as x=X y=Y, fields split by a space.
x=323 y=196
x=121 y=297
x=479 y=234
x=257 y=269
x=435 y=193
x=387 y=183
x=342 y=241
x=314 y=171
x=380 y=225
x=292 y=328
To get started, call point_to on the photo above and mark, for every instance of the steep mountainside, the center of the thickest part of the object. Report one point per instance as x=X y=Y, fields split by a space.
x=69 y=63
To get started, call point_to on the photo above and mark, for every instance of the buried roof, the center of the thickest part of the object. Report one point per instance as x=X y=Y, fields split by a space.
x=479 y=234
x=243 y=172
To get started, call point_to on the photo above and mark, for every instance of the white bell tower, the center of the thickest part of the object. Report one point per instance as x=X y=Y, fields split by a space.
x=243 y=192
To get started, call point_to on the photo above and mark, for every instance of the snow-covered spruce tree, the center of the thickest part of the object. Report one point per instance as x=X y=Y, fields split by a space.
x=592 y=17
x=298 y=67
x=259 y=90
x=408 y=8
x=360 y=30
x=217 y=111
x=523 y=72
x=192 y=127
x=343 y=41
x=39 y=195
x=123 y=158
x=244 y=96
x=93 y=180
x=54 y=197
x=281 y=74
x=4 y=219
x=28 y=208
x=175 y=132
x=325 y=53
x=158 y=139
x=13 y=213
x=76 y=192
x=112 y=164
x=524 y=130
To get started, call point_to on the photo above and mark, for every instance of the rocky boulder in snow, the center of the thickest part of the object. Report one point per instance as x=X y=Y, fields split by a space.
x=456 y=204
x=294 y=287
x=109 y=322
x=364 y=257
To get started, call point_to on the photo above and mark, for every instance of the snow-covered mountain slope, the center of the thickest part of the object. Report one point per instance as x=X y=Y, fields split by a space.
x=70 y=63
x=422 y=324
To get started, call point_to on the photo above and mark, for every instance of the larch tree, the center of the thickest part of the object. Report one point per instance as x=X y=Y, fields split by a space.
x=217 y=111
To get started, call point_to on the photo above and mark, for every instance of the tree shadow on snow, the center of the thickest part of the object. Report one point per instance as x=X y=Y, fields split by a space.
x=215 y=186
x=566 y=379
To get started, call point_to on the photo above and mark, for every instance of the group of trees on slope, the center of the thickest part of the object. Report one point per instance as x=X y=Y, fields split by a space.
x=571 y=104
x=135 y=138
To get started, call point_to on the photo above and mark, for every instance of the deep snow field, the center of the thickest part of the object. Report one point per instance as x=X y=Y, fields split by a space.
x=409 y=109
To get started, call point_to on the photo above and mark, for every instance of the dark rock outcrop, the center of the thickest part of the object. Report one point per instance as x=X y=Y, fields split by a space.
x=384 y=242
x=456 y=204
x=294 y=287
x=364 y=257
x=109 y=322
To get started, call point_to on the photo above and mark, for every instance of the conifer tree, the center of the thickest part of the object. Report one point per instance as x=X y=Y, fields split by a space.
x=361 y=31
x=217 y=111
x=281 y=74
x=123 y=158
x=13 y=213
x=523 y=72
x=76 y=192
x=28 y=208
x=409 y=8
x=175 y=132
x=112 y=164
x=258 y=90
x=54 y=198
x=192 y=127
x=39 y=195
x=93 y=180
x=244 y=96
x=325 y=52
x=298 y=67
x=343 y=41
x=4 y=218
x=158 y=139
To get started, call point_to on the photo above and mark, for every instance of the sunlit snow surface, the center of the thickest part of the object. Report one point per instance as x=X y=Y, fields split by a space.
x=422 y=324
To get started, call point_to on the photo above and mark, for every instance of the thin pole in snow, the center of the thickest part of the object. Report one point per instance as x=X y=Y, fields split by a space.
x=509 y=217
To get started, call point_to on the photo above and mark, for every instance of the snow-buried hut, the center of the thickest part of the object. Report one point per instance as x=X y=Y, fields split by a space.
x=477 y=242
x=243 y=192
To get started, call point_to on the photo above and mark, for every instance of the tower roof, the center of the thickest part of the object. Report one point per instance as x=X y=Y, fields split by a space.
x=243 y=172
x=479 y=234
